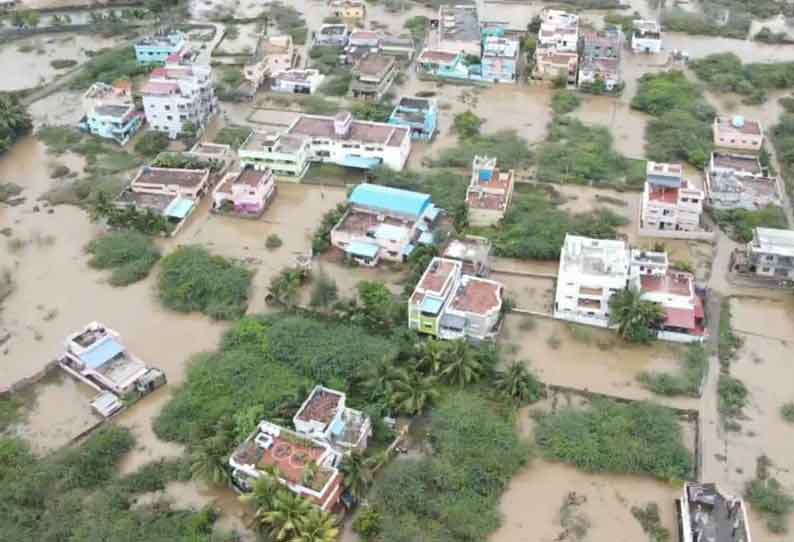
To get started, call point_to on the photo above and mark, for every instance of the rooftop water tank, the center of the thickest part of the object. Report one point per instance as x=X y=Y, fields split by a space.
x=486 y=175
x=738 y=121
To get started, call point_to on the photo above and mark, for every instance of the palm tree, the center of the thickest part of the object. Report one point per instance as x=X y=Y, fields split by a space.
x=358 y=473
x=431 y=356
x=208 y=462
x=634 y=316
x=413 y=392
x=287 y=512
x=262 y=494
x=317 y=526
x=518 y=383
x=379 y=382
x=461 y=365
x=14 y=120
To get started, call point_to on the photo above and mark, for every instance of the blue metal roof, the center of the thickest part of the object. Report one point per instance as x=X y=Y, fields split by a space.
x=179 y=208
x=102 y=353
x=363 y=250
x=360 y=162
x=386 y=198
x=432 y=305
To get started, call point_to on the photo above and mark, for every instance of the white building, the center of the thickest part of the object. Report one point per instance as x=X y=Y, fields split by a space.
x=178 y=93
x=646 y=37
x=450 y=305
x=771 y=253
x=297 y=81
x=274 y=54
x=459 y=30
x=591 y=270
x=384 y=223
x=338 y=140
x=489 y=192
x=669 y=202
x=737 y=181
x=559 y=31
x=324 y=415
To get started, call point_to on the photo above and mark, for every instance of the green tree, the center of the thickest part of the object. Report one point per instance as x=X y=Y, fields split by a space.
x=14 y=120
x=288 y=510
x=317 y=526
x=467 y=125
x=461 y=365
x=413 y=392
x=379 y=308
x=151 y=144
x=519 y=384
x=357 y=469
x=264 y=492
x=634 y=316
x=286 y=286
x=380 y=380
x=189 y=130
x=208 y=462
x=324 y=291
x=368 y=522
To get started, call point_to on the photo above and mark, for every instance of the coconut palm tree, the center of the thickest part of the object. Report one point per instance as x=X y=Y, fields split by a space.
x=14 y=120
x=431 y=356
x=208 y=462
x=287 y=512
x=263 y=493
x=317 y=526
x=460 y=365
x=379 y=382
x=413 y=392
x=634 y=316
x=358 y=473
x=518 y=383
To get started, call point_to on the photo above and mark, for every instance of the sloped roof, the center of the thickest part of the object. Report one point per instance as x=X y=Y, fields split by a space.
x=400 y=201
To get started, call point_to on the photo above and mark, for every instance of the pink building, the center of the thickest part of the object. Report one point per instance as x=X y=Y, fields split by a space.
x=738 y=133
x=246 y=193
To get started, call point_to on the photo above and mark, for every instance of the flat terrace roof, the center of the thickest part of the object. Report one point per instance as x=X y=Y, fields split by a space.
x=374 y=65
x=436 y=275
x=599 y=257
x=155 y=202
x=477 y=296
x=459 y=23
x=669 y=283
x=738 y=162
x=729 y=125
x=366 y=132
x=187 y=178
x=321 y=406
x=361 y=222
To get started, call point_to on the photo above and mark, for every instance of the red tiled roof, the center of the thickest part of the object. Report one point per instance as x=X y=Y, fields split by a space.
x=434 y=279
x=682 y=318
x=664 y=195
x=443 y=57
x=477 y=296
x=671 y=283
x=321 y=407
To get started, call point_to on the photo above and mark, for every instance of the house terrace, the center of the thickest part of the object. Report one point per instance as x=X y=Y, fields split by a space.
x=738 y=133
x=373 y=75
x=705 y=514
x=459 y=29
x=473 y=252
x=489 y=192
x=323 y=415
x=737 y=182
x=420 y=115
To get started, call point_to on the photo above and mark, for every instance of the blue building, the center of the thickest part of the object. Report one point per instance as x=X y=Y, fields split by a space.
x=110 y=112
x=420 y=115
x=156 y=48
x=499 y=59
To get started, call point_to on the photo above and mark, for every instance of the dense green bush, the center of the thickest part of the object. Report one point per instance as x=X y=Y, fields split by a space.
x=783 y=140
x=453 y=494
x=686 y=381
x=705 y=24
x=633 y=438
x=768 y=496
x=107 y=67
x=130 y=255
x=565 y=101
x=446 y=187
x=682 y=127
x=418 y=25
x=787 y=411
x=321 y=240
x=534 y=227
x=733 y=396
x=16 y=120
x=575 y=152
x=739 y=223
x=724 y=72
x=192 y=279
x=510 y=149
x=467 y=125
x=232 y=135
x=151 y=143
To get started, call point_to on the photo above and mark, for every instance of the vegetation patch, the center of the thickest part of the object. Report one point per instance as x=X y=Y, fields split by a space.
x=633 y=438
x=9 y=191
x=16 y=121
x=767 y=495
x=575 y=152
x=705 y=24
x=740 y=223
x=130 y=256
x=63 y=63
x=783 y=140
x=108 y=66
x=192 y=279
x=733 y=397
x=151 y=143
x=535 y=227
x=686 y=381
x=651 y=522
x=232 y=135
x=418 y=25
x=565 y=101
x=289 y=20
x=75 y=495
x=729 y=342
x=446 y=187
x=787 y=411
x=510 y=149
x=682 y=127
x=724 y=72
x=321 y=241
x=454 y=493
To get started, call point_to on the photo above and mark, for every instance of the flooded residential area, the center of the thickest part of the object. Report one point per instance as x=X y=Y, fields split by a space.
x=390 y=270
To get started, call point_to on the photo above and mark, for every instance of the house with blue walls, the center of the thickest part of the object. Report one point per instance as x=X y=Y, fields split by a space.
x=420 y=115
x=156 y=48
x=110 y=112
x=499 y=59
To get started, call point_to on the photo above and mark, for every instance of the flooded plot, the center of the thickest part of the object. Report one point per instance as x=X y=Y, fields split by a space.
x=60 y=412
x=764 y=317
x=528 y=293
x=29 y=59
x=242 y=42
x=587 y=358
x=59 y=108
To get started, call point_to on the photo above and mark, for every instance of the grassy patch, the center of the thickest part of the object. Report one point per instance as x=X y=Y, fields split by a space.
x=107 y=67
x=452 y=494
x=534 y=227
x=511 y=150
x=686 y=381
x=733 y=396
x=783 y=140
x=705 y=24
x=233 y=135
x=129 y=255
x=192 y=279
x=682 y=127
x=289 y=20
x=740 y=223
x=575 y=152
x=787 y=411
x=12 y=409
x=651 y=522
x=634 y=438
x=724 y=72
x=16 y=120
x=729 y=342
x=9 y=191
x=565 y=101
x=768 y=496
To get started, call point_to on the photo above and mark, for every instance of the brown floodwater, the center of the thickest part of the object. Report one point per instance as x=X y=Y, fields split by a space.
x=590 y=358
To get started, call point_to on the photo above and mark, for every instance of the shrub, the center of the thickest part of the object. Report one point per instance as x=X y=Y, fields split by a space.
x=273 y=241
x=787 y=411
x=321 y=240
x=418 y=25
x=233 y=136
x=107 y=67
x=150 y=144
x=9 y=191
x=63 y=63
x=565 y=101
x=510 y=150
x=724 y=72
x=633 y=438
x=453 y=494
x=324 y=291
x=686 y=381
x=733 y=396
x=783 y=140
x=130 y=255
x=728 y=342
x=768 y=496
x=17 y=122
x=467 y=125
x=651 y=522
x=192 y=279
x=740 y=223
